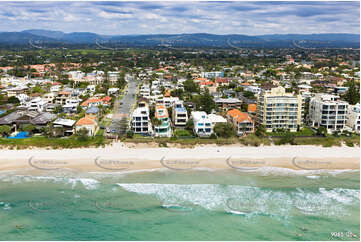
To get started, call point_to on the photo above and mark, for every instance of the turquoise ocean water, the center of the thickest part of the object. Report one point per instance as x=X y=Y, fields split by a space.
x=269 y=204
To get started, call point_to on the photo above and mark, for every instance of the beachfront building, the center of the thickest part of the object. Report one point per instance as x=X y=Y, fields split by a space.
x=215 y=118
x=202 y=125
x=353 y=117
x=87 y=123
x=162 y=129
x=63 y=127
x=179 y=115
x=277 y=109
x=241 y=121
x=328 y=111
x=140 y=123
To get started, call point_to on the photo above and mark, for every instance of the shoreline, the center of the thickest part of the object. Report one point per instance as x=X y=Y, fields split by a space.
x=118 y=157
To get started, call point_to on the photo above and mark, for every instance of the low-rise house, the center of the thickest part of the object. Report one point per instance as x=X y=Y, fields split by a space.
x=241 y=121
x=167 y=101
x=87 y=123
x=90 y=88
x=202 y=125
x=62 y=97
x=179 y=115
x=353 y=117
x=163 y=129
x=144 y=91
x=20 y=118
x=55 y=88
x=113 y=91
x=253 y=89
x=16 y=91
x=252 y=108
x=49 y=97
x=50 y=107
x=37 y=104
x=71 y=105
x=222 y=82
x=63 y=127
x=95 y=102
x=92 y=112
x=340 y=90
x=215 y=118
x=228 y=103
x=23 y=98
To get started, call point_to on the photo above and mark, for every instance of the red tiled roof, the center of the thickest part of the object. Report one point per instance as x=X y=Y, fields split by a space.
x=206 y=83
x=86 y=121
x=252 y=107
x=222 y=80
x=239 y=116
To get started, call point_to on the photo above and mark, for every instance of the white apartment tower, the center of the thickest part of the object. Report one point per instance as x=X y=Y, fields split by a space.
x=140 y=122
x=328 y=111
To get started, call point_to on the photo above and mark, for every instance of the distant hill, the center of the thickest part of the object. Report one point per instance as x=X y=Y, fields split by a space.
x=48 y=37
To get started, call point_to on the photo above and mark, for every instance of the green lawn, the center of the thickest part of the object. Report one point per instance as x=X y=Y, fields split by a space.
x=303 y=132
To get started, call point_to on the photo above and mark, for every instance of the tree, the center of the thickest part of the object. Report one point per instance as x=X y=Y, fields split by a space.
x=191 y=86
x=13 y=100
x=29 y=128
x=261 y=131
x=248 y=94
x=58 y=109
x=353 y=94
x=206 y=102
x=156 y=122
x=321 y=131
x=130 y=134
x=5 y=130
x=82 y=134
x=189 y=125
x=224 y=130
x=287 y=138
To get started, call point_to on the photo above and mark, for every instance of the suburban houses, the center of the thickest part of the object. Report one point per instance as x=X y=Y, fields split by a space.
x=176 y=99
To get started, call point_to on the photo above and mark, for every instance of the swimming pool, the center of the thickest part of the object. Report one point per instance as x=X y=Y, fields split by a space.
x=20 y=135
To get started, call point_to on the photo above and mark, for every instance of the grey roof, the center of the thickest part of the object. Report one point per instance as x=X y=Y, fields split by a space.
x=92 y=110
x=31 y=117
x=227 y=100
x=64 y=122
x=43 y=118
x=10 y=118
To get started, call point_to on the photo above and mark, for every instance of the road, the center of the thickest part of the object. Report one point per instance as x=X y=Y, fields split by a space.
x=124 y=106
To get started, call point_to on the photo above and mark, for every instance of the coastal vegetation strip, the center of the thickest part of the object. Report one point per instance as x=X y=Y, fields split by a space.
x=99 y=140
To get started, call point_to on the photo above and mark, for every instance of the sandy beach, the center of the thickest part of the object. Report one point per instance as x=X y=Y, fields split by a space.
x=118 y=157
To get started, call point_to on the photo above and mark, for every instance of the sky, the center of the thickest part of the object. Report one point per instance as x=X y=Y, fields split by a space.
x=250 y=18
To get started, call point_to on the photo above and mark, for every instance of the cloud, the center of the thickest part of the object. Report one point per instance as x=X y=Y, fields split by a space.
x=252 y=18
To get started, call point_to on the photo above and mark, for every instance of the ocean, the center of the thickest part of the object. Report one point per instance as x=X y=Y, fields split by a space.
x=267 y=204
